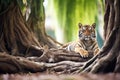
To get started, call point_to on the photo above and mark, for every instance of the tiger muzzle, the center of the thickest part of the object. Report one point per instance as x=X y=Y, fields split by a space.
x=87 y=37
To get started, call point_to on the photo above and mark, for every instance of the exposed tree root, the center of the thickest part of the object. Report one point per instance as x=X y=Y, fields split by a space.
x=12 y=64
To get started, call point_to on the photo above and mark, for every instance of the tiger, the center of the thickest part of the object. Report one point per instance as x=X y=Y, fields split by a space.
x=87 y=41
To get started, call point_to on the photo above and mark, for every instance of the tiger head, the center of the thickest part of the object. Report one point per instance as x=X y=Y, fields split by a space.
x=87 y=32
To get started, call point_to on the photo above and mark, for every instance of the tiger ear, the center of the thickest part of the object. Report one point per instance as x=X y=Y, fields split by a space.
x=94 y=25
x=80 y=25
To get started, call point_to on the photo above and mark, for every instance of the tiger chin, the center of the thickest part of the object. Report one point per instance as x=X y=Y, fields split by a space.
x=86 y=43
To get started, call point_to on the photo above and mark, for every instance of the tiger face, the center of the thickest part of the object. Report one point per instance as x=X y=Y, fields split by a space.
x=87 y=32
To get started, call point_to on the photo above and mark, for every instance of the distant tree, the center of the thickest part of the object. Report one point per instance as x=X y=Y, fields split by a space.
x=36 y=22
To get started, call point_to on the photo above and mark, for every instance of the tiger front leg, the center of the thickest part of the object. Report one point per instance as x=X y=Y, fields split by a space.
x=82 y=52
x=96 y=51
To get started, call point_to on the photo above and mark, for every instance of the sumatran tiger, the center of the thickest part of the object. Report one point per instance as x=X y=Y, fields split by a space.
x=87 y=41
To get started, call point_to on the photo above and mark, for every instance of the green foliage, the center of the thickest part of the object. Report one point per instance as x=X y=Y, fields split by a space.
x=36 y=7
x=23 y=5
x=70 y=12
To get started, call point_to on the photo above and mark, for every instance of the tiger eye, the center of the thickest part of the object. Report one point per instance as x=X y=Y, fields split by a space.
x=84 y=28
x=89 y=28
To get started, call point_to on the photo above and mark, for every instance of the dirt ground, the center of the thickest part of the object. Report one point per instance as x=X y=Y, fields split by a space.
x=39 y=76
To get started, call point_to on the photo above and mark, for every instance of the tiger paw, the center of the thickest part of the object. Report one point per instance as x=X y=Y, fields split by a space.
x=84 y=53
x=96 y=51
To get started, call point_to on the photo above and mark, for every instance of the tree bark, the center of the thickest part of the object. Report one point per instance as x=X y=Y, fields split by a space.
x=36 y=23
x=57 y=55
x=15 y=36
x=12 y=64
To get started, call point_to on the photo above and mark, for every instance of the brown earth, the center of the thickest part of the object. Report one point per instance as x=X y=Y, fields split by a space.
x=39 y=76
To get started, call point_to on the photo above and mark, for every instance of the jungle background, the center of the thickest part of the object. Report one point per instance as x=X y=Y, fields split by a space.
x=64 y=16
x=27 y=46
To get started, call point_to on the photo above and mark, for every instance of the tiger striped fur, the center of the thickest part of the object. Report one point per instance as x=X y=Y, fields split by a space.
x=87 y=41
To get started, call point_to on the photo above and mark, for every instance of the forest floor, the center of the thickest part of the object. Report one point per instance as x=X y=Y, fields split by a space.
x=42 y=76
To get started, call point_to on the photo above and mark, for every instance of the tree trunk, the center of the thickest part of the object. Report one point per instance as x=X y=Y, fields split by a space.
x=109 y=58
x=36 y=22
x=15 y=37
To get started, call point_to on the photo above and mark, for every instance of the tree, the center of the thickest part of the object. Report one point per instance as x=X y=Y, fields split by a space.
x=36 y=22
x=15 y=36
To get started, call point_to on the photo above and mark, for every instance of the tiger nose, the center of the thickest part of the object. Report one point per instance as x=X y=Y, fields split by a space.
x=87 y=33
